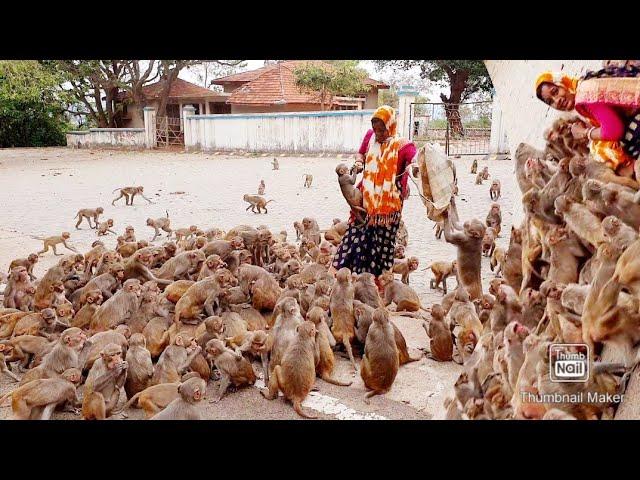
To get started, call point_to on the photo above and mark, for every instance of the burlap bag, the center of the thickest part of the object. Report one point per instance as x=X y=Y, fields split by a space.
x=437 y=180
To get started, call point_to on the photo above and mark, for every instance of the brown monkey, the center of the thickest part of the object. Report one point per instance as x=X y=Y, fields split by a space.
x=63 y=356
x=55 y=240
x=175 y=359
x=8 y=321
x=43 y=324
x=308 y=178
x=311 y=230
x=17 y=288
x=211 y=264
x=106 y=283
x=512 y=268
x=129 y=191
x=26 y=349
x=108 y=258
x=203 y=295
x=256 y=344
x=489 y=242
x=474 y=166
x=93 y=299
x=366 y=290
x=494 y=218
x=181 y=266
x=155 y=398
x=405 y=297
x=380 y=360
x=185 y=233
x=402 y=237
x=96 y=343
x=494 y=190
x=485 y=173
x=119 y=308
x=185 y=407
x=129 y=234
x=256 y=201
x=588 y=168
x=157 y=334
x=514 y=335
x=295 y=375
x=92 y=257
x=353 y=196
x=7 y=352
x=440 y=337
x=497 y=260
x=105 y=227
x=140 y=368
x=618 y=233
x=232 y=366
x=89 y=213
x=161 y=223
x=27 y=263
x=261 y=187
x=405 y=267
x=469 y=243
x=324 y=358
x=298 y=228
x=102 y=387
x=580 y=220
x=38 y=399
x=399 y=252
x=464 y=323
x=479 y=178
x=341 y=306
x=137 y=267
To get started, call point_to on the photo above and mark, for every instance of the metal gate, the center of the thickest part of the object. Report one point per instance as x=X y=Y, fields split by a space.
x=169 y=131
x=461 y=128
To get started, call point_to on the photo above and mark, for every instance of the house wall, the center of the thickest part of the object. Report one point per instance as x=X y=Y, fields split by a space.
x=107 y=137
x=524 y=116
x=289 y=107
x=302 y=132
x=371 y=103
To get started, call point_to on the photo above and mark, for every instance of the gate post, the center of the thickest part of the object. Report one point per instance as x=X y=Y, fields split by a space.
x=498 y=139
x=406 y=96
x=187 y=111
x=150 y=127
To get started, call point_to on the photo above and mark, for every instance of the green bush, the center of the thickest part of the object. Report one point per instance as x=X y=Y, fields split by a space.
x=29 y=124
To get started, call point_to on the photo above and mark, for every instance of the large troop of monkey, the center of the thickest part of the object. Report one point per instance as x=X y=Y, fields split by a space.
x=149 y=326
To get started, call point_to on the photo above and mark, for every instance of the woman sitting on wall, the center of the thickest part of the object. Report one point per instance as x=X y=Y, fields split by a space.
x=610 y=101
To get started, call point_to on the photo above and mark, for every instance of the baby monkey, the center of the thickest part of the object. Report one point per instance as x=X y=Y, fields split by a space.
x=353 y=196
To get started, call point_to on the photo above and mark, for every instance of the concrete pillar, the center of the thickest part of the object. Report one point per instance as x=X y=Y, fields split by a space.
x=498 y=140
x=150 y=127
x=406 y=96
x=189 y=133
x=206 y=108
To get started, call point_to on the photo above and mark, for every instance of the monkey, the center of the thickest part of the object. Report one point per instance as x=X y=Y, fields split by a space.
x=336 y=232
x=474 y=166
x=405 y=267
x=464 y=323
x=565 y=252
x=137 y=267
x=341 y=307
x=298 y=228
x=94 y=345
x=63 y=356
x=185 y=233
x=557 y=414
x=440 y=336
x=353 y=196
x=276 y=164
x=308 y=178
x=366 y=290
x=295 y=375
x=102 y=387
x=129 y=234
x=580 y=220
x=399 y=252
x=89 y=213
x=485 y=173
x=232 y=366
x=287 y=318
x=38 y=399
x=202 y=295
x=494 y=218
x=380 y=361
x=175 y=359
x=185 y=406
x=119 y=308
x=211 y=264
x=512 y=268
x=479 y=178
x=324 y=358
x=311 y=230
x=256 y=344
x=325 y=256
x=256 y=201
x=161 y=223
x=291 y=267
x=55 y=240
x=494 y=190
x=93 y=299
x=27 y=263
x=405 y=297
x=108 y=258
x=126 y=249
x=489 y=242
x=468 y=243
x=402 y=237
x=498 y=258
x=586 y=168
x=92 y=257
x=129 y=191
x=106 y=283
x=155 y=398
x=16 y=289
x=514 y=335
x=262 y=287
x=8 y=321
x=618 y=233
x=43 y=324
x=7 y=351
x=105 y=227
x=439 y=227
x=26 y=349
x=507 y=307
x=140 y=365
x=261 y=188
x=182 y=266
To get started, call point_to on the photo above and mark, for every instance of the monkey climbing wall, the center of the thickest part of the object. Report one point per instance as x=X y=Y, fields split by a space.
x=524 y=116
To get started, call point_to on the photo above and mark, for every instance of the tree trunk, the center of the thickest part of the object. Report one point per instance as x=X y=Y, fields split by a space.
x=166 y=88
x=458 y=84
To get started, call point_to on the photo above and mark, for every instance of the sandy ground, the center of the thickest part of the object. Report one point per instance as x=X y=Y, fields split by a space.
x=42 y=189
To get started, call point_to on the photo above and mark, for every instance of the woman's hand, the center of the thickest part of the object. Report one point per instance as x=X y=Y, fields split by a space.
x=579 y=131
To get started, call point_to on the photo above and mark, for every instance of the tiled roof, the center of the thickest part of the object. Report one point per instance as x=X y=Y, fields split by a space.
x=274 y=83
x=179 y=89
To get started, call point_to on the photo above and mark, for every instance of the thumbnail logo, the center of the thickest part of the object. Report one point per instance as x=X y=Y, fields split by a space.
x=569 y=362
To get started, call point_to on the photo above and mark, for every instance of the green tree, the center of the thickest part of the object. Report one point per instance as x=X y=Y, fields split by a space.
x=463 y=77
x=31 y=105
x=331 y=79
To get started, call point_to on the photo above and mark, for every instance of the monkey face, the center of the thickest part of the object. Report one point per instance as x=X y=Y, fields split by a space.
x=413 y=264
x=342 y=169
x=74 y=338
x=66 y=235
x=32 y=258
x=150 y=222
x=111 y=360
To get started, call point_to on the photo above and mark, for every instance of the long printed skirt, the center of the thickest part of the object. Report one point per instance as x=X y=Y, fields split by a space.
x=367 y=249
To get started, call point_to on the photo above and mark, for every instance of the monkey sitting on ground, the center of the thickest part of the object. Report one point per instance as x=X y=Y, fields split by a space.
x=351 y=194
x=186 y=406
x=276 y=165
x=38 y=399
x=474 y=166
x=324 y=357
x=105 y=227
x=175 y=359
x=256 y=201
x=102 y=387
x=27 y=263
x=485 y=173
x=296 y=374
x=140 y=365
x=494 y=190
x=89 y=213
x=479 y=178
x=405 y=297
x=232 y=366
x=261 y=188
x=308 y=178
x=55 y=240
x=380 y=361
x=494 y=218
x=17 y=289
x=440 y=337
x=160 y=223
x=129 y=191
x=405 y=267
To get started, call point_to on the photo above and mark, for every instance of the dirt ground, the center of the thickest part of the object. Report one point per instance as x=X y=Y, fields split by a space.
x=42 y=189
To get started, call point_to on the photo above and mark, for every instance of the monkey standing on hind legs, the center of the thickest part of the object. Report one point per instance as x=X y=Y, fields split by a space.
x=276 y=165
x=261 y=188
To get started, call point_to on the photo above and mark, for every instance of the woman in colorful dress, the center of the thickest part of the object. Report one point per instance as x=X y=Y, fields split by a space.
x=385 y=158
x=610 y=101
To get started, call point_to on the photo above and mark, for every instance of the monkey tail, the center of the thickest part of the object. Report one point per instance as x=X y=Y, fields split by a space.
x=5 y=396
x=131 y=401
x=116 y=190
x=427 y=268
x=269 y=201
x=167 y=211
